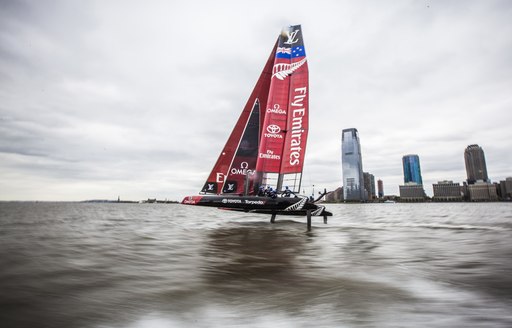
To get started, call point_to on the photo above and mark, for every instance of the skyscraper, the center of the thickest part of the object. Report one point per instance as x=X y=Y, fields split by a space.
x=412 y=170
x=412 y=190
x=476 y=168
x=380 y=187
x=369 y=185
x=352 y=164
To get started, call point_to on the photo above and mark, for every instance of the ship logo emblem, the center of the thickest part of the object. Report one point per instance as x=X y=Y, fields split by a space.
x=272 y=128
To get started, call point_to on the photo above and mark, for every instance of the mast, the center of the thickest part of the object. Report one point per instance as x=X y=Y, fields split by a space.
x=298 y=116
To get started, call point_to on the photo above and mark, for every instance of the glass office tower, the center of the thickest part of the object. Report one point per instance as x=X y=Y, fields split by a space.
x=412 y=170
x=352 y=164
x=476 y=168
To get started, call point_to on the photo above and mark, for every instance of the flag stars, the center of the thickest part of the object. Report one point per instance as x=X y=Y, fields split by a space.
x=298 y=51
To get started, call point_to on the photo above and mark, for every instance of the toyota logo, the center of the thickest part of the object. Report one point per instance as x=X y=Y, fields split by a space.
x=272 y=128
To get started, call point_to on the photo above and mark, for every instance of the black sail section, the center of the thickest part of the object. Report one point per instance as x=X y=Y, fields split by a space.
x=244 y=163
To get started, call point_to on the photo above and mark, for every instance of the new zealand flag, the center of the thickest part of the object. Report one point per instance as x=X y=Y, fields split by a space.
x=298 y=52
x=283 y=52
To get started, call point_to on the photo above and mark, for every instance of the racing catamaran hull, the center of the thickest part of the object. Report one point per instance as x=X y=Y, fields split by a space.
x=260 y=204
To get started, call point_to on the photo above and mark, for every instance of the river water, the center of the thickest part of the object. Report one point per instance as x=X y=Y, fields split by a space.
x=157 y=265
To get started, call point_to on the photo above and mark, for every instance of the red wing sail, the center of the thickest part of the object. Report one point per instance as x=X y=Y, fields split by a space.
x=270 y=136
x=232 y=155
x=298 y=112
x=273 y=133
x=284 y=131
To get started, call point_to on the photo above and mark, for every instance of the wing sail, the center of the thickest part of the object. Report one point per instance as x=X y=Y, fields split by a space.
x=232 y=155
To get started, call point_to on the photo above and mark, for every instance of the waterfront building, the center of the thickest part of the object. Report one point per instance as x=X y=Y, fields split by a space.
x=380 y=188
x=482 y=192
x=476 y=169
x=335 y=197
x=447 y=191
x=412 y=170
x=352 y=166
x=412 y=192
x=506 y=189
x=369 y=184
x=372 y=186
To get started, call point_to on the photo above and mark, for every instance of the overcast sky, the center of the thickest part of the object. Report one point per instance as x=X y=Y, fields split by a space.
x=100 y=99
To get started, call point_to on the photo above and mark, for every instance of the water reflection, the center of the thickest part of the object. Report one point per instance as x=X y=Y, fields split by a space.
x=252 y=255
x=280 y=268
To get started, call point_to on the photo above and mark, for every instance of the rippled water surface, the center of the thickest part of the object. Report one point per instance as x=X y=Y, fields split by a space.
x=156 y=265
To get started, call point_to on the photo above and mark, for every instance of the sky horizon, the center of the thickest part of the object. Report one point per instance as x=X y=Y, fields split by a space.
x=101 y=100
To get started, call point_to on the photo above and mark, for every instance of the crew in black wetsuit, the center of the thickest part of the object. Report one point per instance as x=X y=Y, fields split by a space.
x=271 y=192
x=287 y=192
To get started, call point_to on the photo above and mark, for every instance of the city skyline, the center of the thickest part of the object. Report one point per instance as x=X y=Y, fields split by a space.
x=476 y=167
x=412 y=187
x=102 y=99
x=477 y=187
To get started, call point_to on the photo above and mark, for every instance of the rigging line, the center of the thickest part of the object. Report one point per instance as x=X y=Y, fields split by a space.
x=309 y=184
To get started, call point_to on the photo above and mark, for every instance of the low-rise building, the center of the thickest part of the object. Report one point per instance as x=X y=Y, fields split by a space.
x=447 y=191
x=482 y=192
x=412 y=192
x=506 y=189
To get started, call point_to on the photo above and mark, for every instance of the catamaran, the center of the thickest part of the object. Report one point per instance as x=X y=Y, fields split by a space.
x=259 y=169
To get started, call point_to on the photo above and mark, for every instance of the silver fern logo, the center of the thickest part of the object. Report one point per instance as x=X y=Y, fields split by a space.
x=282 y=70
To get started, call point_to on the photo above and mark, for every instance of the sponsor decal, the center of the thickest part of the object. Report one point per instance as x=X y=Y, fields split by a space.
x=210 y=187
x=231 y=201
x=273 y=128
x=273 y=131
x=220 y=177
x=243 y=170
x=191 y=200
x=292 y=37
x=276 y=110
x=269 y=155
x=298 y=112
x=255 y=202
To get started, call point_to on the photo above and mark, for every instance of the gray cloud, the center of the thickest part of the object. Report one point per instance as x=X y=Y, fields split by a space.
x=99 y=99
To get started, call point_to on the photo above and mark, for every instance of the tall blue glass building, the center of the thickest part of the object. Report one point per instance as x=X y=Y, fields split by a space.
x=412 y=170
x=352 y=164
